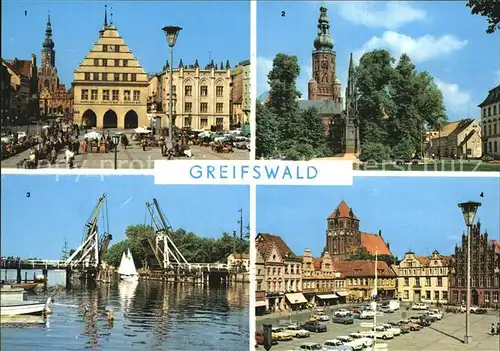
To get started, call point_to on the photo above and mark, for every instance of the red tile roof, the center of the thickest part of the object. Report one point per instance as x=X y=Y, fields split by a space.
x=362 y=268
x=424 y=260
x=373 y=242
x=264 y=243
x=22 y=67
x=496 y=243
x=317 y=263
x=342 y=210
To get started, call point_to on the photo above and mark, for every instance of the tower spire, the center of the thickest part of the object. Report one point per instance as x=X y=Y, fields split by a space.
x=48 y=53
x=105 y=15
x=323 y=41
x=111 y=15
x=351 y=65
x=48 y=19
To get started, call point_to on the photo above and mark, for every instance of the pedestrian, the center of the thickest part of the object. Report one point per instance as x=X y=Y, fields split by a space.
x=493 y=330
x=53 y=156
x=143 y=144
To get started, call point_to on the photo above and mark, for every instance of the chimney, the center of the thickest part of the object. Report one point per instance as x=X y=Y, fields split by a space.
x=380 y=232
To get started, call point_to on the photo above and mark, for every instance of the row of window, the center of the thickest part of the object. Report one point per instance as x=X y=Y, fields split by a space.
x=116 y=62
x=323 y=284
x=488 y=131
x=427 y=281
x=487 y=111
x=367 y=282
x=492 y=147
x=277 y=271
x=188 y=107
x=487 y=296
x=438 y=295
x=203 y=122
x=424 y=271
x=111 y=48
x=188 y=90
x=462 y=282
x=96 y=76
x=115 y=95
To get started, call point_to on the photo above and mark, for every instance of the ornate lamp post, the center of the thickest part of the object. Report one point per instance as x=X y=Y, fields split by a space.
x=171 y=32
x=469 y=210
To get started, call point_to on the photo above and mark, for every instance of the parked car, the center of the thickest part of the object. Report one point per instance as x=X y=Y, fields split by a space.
x=282 y=334
x=314 y=326
x=259 y=338
x=367 y=342
x=342 y=312
x=335 y=345
x=419 y=306
x=354 y=344
x=437 y=313
x=311 y=346
x=429 y=316
x=414 y=326
x=472 y=309
x=421 y=320
x=297 y=332
x=381 y=333
x=343 y=319
x=385 y=309
x=395 y=330
x=355 y=315
x=367 y=315
x=321 y=316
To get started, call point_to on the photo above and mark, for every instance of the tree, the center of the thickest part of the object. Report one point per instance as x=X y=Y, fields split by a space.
x=489 y=9
x=362 y=254
x=114 y=254
x=377 y=152
x=266 y=133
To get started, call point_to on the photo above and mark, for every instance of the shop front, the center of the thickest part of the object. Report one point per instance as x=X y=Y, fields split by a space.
x=260 y=303
x=342 y=296
x=326 y=299
x=296 y=301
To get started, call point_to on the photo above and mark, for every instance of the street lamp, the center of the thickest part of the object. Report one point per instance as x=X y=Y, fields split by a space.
x=116 y=140
x=469 y=210
x=171 y=33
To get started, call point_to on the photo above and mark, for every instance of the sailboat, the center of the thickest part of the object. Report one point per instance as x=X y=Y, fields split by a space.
x=127 y=269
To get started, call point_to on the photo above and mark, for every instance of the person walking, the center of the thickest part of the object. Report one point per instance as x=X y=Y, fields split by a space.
x=493 y=329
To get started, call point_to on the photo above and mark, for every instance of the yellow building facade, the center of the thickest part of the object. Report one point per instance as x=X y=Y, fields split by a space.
x=201 y=96
x=110 y=87
x=423 y=278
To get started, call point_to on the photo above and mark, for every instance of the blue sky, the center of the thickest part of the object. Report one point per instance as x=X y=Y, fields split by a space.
x=441 y=37
x=220 y=30
x=420 y=214
x=56 y=210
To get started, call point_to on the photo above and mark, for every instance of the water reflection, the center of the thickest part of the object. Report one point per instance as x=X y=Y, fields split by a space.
x=148 y=314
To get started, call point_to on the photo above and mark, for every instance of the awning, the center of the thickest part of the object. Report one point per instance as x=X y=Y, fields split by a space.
x=341 y=293
x=327 y=296
x=260 y=303
x=296 y=298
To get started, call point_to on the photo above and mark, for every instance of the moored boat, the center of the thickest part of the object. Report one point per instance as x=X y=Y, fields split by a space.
x=14 y=301
x=25 y=286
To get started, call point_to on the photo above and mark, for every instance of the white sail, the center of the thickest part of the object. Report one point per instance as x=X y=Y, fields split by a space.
x=131 y=270
x=123 y=263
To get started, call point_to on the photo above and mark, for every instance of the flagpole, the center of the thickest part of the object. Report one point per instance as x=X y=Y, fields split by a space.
x=375 y=295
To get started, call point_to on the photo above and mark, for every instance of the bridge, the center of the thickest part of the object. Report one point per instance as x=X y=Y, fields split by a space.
x=85 y=262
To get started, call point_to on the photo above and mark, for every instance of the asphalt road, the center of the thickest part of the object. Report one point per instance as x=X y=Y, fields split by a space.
x=444 y=335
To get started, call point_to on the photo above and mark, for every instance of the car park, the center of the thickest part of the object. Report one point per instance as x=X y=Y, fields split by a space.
x=281 y=334
x=311 y=346
x=335 y=345
x=367 y=315
x=419 y=306
x=297 y=332
x=314 y=326
x=341 y=312
x=367 y=342
x=343 y=319
x=395 y=330
x=354 y=344
x=381 y=333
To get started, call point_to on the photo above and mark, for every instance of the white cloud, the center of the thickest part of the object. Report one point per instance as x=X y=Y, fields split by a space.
x=456 y=100
x=370 y=14
x=419 y=49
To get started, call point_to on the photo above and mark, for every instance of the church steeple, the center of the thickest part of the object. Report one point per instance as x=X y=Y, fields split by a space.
x=323 y=41
x=48 y=53
x=105 y=15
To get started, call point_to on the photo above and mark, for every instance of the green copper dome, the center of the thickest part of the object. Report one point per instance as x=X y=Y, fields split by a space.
x=323 y=41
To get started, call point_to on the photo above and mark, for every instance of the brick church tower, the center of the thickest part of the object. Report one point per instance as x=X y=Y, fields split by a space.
x=343 y=236
x=324 y=84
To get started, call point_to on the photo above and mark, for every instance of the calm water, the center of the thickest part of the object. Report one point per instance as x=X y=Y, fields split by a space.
x=149 y=315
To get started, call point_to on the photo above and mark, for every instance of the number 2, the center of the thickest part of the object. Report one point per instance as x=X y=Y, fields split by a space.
x=283 y=13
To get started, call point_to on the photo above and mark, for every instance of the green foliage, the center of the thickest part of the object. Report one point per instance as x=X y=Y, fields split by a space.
x=377 y=152
x=193 y=248
x=489 y=9
x=282 y=128
x=266 y=133
x=363 y=255
x=396 y=105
